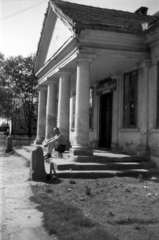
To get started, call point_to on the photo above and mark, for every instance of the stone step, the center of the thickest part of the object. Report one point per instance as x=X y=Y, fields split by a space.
x=104 y=158
x=62 y=164
x=98 y=156
x=67 y=169
x=107 y=174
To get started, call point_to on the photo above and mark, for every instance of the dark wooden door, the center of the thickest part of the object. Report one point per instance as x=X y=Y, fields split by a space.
x=105 y=125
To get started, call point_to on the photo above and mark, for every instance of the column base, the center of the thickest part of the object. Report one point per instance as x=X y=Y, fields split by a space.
x=79 y=151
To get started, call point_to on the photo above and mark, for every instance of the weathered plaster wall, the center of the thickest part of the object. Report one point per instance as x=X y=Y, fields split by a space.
x=129 y=141
x=153 y=134
x=153 y=142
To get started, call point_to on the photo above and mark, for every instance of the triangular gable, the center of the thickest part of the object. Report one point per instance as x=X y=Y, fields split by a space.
x=60 y=35
x=54 y=34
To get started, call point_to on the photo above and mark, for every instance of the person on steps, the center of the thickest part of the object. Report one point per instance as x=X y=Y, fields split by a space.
x=58 y=142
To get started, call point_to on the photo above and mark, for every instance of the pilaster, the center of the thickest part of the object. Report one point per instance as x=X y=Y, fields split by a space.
x=115 y=117
x=144 y=109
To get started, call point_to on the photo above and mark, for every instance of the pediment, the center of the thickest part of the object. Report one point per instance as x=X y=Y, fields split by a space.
x=60 y=35
x=54 y=34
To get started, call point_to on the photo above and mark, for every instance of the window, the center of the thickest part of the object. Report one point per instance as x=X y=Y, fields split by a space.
x=90 y=109
x=130 y=100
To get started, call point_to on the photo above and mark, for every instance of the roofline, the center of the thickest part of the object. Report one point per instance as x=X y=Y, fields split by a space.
x=90 y=6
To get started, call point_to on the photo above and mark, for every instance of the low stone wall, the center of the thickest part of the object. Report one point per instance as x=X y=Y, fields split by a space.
x=18 y=141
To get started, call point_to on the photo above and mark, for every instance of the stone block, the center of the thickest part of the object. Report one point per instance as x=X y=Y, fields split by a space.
x=37 y=167
x=9 y=144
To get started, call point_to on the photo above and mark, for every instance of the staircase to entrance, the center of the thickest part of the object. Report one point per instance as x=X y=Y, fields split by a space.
x=102 y=164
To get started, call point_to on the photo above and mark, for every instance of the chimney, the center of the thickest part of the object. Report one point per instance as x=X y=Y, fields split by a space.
x=142 y=11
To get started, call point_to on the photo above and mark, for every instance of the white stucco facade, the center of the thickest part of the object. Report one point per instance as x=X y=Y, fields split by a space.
x=76 y=63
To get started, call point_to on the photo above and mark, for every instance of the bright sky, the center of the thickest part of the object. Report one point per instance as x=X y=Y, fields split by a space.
x=21 y=20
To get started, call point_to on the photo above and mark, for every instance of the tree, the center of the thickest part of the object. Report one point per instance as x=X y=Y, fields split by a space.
x=5 y=93
x=19 y=79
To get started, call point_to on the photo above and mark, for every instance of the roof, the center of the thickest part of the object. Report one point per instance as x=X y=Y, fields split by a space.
x=88 y=17
x=82 y=16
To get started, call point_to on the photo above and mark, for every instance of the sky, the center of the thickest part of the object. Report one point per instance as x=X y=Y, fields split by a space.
x=21 y=21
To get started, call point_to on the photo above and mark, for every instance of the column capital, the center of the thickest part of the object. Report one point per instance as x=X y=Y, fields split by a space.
x=85 y=58
x=65 y=71
x=145 y=63
x=41 y=87
x=52 y=80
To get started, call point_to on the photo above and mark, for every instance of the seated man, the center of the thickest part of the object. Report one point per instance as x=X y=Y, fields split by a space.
x=58 y=142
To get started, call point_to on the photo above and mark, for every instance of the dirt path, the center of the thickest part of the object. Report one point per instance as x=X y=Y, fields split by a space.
x=19 y=218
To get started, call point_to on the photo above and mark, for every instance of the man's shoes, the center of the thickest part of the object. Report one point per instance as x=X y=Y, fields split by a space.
x=47 y=156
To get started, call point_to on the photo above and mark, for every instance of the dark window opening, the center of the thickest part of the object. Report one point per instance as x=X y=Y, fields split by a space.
x=130 y=100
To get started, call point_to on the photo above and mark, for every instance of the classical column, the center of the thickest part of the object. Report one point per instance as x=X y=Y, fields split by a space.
x=41 y=115
x=51 y=109
x=63 y=103
x=81 y=142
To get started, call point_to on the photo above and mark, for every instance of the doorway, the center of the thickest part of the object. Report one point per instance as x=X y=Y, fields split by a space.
x=105 y=123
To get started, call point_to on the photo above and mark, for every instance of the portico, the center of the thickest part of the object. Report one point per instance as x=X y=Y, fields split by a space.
x=80 y=58
x=59 y=114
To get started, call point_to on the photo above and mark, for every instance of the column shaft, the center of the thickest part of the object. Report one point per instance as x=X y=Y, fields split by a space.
x=82 y=106
x=63 y=104
x=51 y=110
x=41 y=116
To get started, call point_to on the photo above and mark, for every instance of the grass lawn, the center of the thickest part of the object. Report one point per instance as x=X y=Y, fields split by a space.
x=99 y=209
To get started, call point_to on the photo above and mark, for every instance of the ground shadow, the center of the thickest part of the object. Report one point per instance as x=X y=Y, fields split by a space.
x=65 y=220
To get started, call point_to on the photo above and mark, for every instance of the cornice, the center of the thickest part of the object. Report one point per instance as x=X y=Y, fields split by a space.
x=45 y=39
x=60 y=55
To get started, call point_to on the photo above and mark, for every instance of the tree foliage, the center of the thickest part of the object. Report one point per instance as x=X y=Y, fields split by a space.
x=18 y=80
x=5 y=92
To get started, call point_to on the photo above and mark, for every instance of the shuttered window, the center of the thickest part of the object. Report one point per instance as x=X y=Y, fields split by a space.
x=130 y=100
